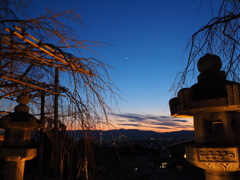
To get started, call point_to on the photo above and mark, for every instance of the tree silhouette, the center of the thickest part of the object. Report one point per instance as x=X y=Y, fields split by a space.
x=219 y=36
x=36 y=51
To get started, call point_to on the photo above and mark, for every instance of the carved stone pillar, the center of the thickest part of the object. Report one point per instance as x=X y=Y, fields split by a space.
x=16 y=147
x=214 y=103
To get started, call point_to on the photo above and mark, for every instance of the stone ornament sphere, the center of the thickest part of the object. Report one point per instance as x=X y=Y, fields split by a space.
x=23 y=99
x=22 y=108
x=209 y=61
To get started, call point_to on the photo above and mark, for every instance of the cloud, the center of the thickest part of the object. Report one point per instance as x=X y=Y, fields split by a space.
x=164 y=116
x=129 y=125
x=158 y=127
x=180 y=120
x=153 y=121
x=121 y=120
x=139 y=125
x=135 y=117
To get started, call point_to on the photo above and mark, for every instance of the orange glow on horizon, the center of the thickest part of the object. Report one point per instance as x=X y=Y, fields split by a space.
x=160 y=125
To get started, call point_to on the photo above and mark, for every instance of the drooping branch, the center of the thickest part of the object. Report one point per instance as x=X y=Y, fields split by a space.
x=30 y=51
x=219 y=36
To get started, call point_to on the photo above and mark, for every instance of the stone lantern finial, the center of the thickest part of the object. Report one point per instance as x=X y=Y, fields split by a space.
x=22 y=107
x=209 y=61
x=209 y=67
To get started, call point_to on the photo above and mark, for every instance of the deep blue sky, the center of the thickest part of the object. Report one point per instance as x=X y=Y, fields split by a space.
x=149 y=38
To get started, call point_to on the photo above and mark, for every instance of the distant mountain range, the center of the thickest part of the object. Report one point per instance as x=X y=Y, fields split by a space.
x=132 y=133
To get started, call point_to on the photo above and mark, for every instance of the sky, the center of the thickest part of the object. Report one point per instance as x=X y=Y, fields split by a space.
x=147 y=43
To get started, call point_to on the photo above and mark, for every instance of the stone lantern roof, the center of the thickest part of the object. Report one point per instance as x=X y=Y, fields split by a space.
x=21 y=117
x=212 y=92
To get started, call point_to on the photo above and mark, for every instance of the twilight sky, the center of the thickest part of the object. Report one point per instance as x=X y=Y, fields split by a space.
x=149 y=38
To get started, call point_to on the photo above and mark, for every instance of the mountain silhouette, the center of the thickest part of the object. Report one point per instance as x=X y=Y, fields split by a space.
x=130 y=133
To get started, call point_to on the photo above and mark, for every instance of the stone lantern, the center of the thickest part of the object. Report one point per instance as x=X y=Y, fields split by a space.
x=214 y=104
x=17 y=139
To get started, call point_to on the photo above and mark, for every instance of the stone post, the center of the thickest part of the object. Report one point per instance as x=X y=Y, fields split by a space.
x=16 y=147
x=214 y=104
